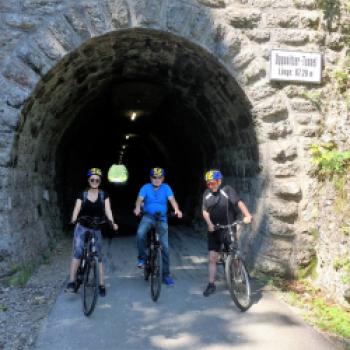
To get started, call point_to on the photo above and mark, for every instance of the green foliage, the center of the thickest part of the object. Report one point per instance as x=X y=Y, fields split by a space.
x=315 y=97
x=317 y=311
x=345 y=230
x=330 y=317
x=331 y=11
x=3 y=308
x=21 y=277
x=342 y=78
x=309 y=270
x=343 y=264
x=329 y=161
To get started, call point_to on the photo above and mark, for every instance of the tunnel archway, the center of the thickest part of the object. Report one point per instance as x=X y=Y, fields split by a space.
x=191 y=115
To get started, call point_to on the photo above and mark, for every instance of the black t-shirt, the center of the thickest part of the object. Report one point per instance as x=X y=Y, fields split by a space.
x=222 y=209
x=93 y=209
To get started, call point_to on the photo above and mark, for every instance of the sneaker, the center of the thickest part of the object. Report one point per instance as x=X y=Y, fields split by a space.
x=209 y=290
x=102 y=291
x=141 y=263
x=169 y=281
x=70 y=287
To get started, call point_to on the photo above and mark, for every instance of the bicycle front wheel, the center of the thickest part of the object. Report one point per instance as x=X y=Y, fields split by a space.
x=238 y=282
x=90 y=285
x=156 y=273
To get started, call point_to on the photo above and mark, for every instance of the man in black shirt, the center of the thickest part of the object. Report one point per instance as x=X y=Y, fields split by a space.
x=219 y=207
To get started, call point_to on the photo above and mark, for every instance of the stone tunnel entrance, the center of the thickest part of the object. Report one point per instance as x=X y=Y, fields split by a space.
x=150 y=96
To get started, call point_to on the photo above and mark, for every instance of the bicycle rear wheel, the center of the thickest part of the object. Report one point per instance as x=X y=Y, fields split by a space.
x=146 y=270
x=156 y=273
x=238 y=282
x=90 y=285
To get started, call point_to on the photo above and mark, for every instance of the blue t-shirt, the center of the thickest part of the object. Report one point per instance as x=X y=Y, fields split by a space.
x=156 y=200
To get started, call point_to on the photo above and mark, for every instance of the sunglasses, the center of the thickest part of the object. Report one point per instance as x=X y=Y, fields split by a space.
x=157 y=177
x=95 y=180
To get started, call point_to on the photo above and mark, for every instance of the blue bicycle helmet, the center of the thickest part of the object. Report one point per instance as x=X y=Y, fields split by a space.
x=157 y=172
x=94 y=171
x=213 y=175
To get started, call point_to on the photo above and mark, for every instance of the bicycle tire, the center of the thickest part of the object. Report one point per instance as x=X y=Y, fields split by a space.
x=146 y=270
x=79 y=279
x=90 y=285
x=156 y=273
x=237 y=279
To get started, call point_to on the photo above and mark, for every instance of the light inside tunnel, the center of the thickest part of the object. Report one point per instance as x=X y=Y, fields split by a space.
x=118 y=174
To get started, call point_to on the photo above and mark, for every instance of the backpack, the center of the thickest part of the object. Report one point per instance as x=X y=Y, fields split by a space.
x=100 y=198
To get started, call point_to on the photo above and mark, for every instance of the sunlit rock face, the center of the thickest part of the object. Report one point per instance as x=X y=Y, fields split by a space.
x=195 y=74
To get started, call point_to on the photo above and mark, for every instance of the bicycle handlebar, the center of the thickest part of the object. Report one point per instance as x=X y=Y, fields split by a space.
x=236 y=223
x=91 y=221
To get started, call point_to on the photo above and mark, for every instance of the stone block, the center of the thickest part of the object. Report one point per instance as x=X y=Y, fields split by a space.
x=285 y=170
x=303 y=106
x=9 y=117
x=258 y=35
x=199 y=24
x=290 y=36
x=42 y=7
x=272 y=110
x=305 y=4
x=177 y=16
x=147 y=11
x=282 y=229
x=12 y=94
x=63 y=33
x=278 y=130
x=120 y=13
x=75 y=17
x=18 y=73
x=34 y=58
x=254 y=72
x=20 y=21
x=308 y=118
x=50 y=46
x=243 y=59
x=282 y=19
x=243 y=18
x=335 y=41
x=288 y=189
x=309 y=131
x=284 y=151
x=310 y=20
x=213 y=3
x=261 y=91
x=96 y=15
x=6 y=144
x=284 y=210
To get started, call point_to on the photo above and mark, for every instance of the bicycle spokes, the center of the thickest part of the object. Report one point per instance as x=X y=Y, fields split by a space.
x=238 y=283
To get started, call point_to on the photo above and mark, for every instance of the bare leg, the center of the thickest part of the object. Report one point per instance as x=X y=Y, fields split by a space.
x=213 y=256
x=73 y=269
x=102 y=275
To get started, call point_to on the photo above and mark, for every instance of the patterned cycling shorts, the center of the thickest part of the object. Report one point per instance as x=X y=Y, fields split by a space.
x=78 y=243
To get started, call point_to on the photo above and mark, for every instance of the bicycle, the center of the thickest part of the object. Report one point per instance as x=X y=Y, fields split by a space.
x=88 y=270
x=153 y=263
x=236 y=274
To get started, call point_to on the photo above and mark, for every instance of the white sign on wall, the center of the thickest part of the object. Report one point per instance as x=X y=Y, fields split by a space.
x=295 y=66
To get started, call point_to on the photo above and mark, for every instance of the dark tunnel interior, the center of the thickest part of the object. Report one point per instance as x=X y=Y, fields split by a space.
x=189 y=115
x=164 y=133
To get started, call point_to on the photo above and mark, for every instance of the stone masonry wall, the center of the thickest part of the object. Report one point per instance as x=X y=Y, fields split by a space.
x=37 y=34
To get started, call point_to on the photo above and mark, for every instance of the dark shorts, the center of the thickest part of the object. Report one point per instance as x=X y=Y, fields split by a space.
x=218 y=239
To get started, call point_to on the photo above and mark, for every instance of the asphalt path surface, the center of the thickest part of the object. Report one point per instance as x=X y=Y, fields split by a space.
x=181 y=319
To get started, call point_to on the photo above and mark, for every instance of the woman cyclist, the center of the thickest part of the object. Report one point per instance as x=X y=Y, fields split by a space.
x=94 y=203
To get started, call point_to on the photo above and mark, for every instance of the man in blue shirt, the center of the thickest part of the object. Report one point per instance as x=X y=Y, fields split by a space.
x=154 y=196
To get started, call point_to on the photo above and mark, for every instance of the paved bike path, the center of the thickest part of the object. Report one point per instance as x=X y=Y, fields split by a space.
x=182 y=319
